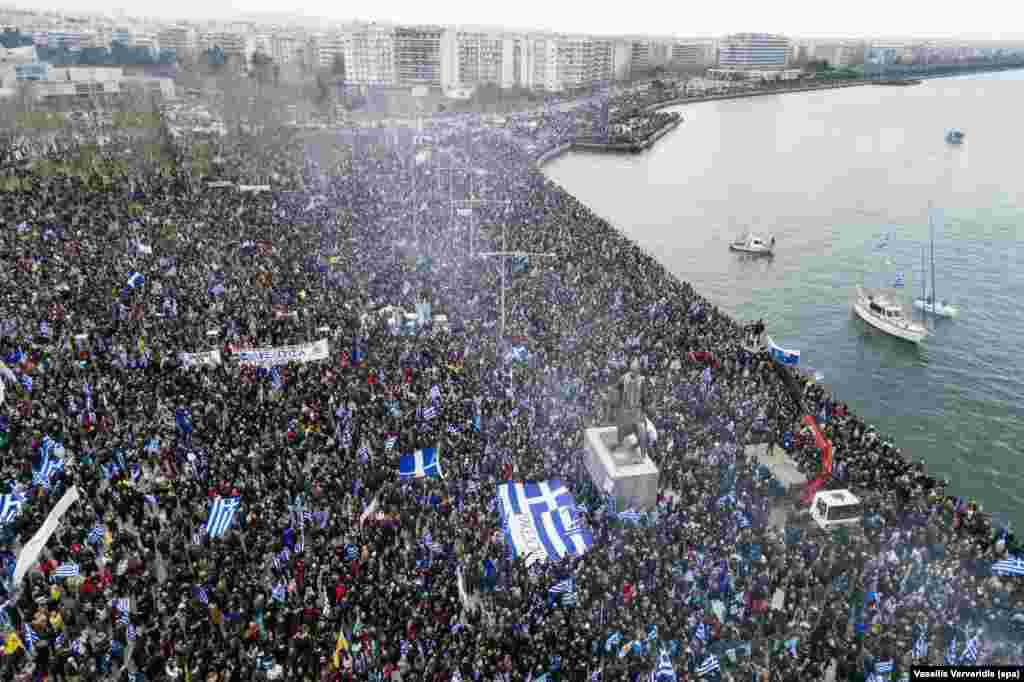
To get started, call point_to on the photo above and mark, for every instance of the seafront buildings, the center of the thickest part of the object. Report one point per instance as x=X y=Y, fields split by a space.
x=457 y=60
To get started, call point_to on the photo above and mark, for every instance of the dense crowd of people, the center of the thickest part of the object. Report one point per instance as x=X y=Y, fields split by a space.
x=129 y=310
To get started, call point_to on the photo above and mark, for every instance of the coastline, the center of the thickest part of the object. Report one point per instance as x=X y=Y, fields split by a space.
x=987 y=519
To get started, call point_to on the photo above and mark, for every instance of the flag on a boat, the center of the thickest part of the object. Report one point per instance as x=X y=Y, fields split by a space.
x=782 y=355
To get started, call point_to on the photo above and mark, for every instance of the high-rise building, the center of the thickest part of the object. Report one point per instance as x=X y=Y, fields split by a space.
x=479 y=57
x=369 y=51
x=754 y=51
x=418 y=55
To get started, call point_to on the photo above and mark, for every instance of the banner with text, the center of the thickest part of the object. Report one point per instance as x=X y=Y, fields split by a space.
x=268 y=357
x=210 y=358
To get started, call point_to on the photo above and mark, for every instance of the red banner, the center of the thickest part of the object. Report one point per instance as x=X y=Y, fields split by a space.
x=824 y=445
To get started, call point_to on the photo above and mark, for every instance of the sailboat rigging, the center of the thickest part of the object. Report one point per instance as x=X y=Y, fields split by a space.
x=928 y=303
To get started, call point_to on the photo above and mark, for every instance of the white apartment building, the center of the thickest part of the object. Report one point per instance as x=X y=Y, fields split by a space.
x=418 y=55
x=574 y=61
x=478 y=58
x=369 y=52
x=544 y=67
x=754 y=51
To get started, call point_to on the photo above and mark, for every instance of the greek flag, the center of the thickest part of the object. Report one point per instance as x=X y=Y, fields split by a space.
x=429 y=412
x=136 y=280
x=69 y=570
x=900 y=282
x=30 y=638
x=131 y=633
x=10 y=506
x=1011 y=566
x=522 y=498
x=201 y=595
x=951 y=655
x=884 y=667
x=421 y=464
x=517 y=354
x=122 y=604
x=702 y=632
x=563 y=587
x=95 y=535
x=221 y=513
x=435 y=392
x=631 y=516
x=389 y=443
x=709 y=665
x=664 y=669
x=540 y=535
x=50 y=465
x=970 y=654
x=921 y=647
x=280 y=593
x=612 y=642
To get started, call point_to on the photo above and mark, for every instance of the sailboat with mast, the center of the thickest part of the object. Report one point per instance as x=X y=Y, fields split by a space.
x=928 y=303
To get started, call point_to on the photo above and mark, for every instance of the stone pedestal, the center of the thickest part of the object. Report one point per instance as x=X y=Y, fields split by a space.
x=631 y=479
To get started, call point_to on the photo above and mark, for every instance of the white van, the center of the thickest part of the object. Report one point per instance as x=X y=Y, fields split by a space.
x=833 y=508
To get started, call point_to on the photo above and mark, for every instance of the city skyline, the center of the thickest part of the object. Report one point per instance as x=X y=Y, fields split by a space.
x=800 y=19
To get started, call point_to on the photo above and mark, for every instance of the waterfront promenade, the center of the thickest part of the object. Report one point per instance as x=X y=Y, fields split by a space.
x=237 y=357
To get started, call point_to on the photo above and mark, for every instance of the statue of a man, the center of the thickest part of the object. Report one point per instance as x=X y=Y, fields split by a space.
x=629 y=402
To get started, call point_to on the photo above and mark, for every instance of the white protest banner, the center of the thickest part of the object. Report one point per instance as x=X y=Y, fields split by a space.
x=30 y=552
x=268 y=357
x=254 y=188
x=210 y=358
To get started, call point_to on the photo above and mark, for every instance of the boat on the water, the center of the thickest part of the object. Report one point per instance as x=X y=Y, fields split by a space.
x=885 y=314
x=927 y=302
x=754 y=244
x=954 y=136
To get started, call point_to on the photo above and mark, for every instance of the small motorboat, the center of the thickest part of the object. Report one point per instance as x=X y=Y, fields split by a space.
x=954 y=136
x=885 y=314
x=753 y=244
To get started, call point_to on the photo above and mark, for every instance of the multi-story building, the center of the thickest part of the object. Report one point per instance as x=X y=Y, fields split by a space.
x=754 y=51
x=286 y=49
x=418 y=55
x=331 y=48
x=574 y=65
x=70 y=40
x=545 y=64
x=640 y=57
x=478 y=57
x=689 y=54
x=237 y=48
x=369 y=51
x=181 y=39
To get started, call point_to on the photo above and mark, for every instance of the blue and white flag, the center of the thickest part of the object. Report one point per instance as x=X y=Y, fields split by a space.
x=69 y=570
x=42 y=476
x=280 y=593
x=921 y=647
x=221 y=513
x=540 y=535
x=30 y=638
x=884 y=667
x=421 y=464
x=517 y=354
x=136 y=280
x=951 y=655
x=522 y=498
x=970 y=655
x=96 y=534
x=664 y=670
x=900 y=281
x=709 y=665
x=10 y=506
x=781 y=355
x=563 y=586
x=1012 y=566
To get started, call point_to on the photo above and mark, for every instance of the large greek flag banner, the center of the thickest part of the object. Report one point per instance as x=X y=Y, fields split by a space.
x=541 y=522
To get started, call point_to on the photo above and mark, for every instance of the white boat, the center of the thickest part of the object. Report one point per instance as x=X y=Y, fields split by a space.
x=885 y=314
x=753 y=243
x=939 y=308
x=927 y=303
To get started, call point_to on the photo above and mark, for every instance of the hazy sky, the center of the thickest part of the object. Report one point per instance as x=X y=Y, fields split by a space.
x=983 y=19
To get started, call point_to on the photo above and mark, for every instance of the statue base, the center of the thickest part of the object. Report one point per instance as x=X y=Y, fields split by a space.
x=622 y=472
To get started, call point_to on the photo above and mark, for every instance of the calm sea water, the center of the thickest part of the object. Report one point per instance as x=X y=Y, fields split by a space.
x=827 y=173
